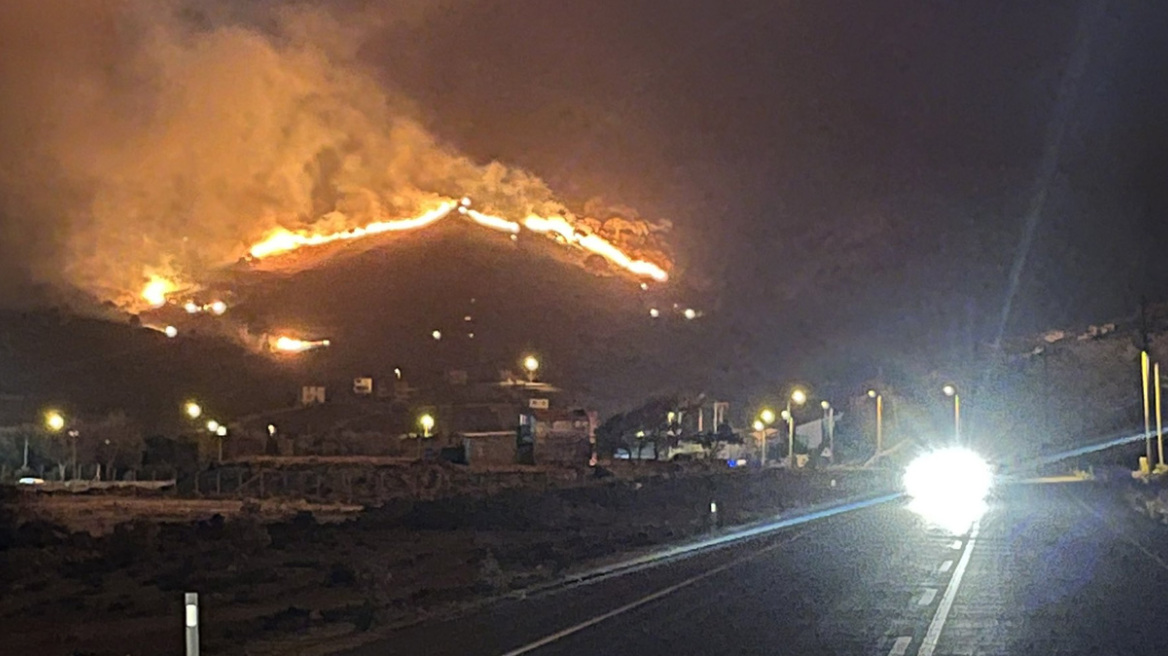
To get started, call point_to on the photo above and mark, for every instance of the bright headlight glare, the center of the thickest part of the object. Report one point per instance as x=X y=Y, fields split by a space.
x=949 y=487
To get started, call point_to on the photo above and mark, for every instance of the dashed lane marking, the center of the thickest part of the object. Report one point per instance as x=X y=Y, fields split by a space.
x=927 y=597
x=929 y=644
x=900 y=646
x=956 y=544
x=946 y=566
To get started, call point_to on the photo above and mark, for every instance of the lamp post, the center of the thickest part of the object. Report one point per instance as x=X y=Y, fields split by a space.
x=798 y=397
x=950 y=390
x=765 y=418
x=829 y=426
x=55 y=421
x=426 y=421
x=193 y=409
x=873 y=394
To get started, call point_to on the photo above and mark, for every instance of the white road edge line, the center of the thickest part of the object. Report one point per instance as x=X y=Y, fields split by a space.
x=929 y=644
x=946 y=566
x=900 y=646
x=927 y=597
x=546 y=640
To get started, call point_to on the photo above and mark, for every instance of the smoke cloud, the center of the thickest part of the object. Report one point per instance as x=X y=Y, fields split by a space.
x=145 y=138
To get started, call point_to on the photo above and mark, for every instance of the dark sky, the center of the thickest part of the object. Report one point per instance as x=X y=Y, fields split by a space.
x=837 y=170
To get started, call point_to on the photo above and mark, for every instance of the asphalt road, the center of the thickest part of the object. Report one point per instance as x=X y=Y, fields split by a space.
x=1050 y=569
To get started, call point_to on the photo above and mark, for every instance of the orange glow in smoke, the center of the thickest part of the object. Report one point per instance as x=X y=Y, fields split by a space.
x=156 y=290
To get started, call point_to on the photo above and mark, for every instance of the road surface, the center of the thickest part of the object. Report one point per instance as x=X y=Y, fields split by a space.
x=1050 y=569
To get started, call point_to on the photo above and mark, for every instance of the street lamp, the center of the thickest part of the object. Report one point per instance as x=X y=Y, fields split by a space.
x=531 y=366
x=193 y=410
x=873 y=394
x=829 y=426
x=212 y=426
x=55 y=421
x=765 y=418
x=427 y=423
x=798 y=397
x=950 y=390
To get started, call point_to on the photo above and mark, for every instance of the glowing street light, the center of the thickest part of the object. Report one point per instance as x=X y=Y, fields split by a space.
x=221 y=432
x=213 y=426
x=193 y=409
x=55 y=421
x=531 y=366
x=767 y=416
x=799 y=397
x=426 y=421
x=758 y=427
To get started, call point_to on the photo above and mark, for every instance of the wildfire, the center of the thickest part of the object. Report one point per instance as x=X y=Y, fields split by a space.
x=284 y=240
x=557 y=227
x=286 y=344
x=561 y=229
x=156 y=290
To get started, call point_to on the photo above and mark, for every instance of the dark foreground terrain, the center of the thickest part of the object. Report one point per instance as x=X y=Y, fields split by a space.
x=1074 y=568
x=296 y=586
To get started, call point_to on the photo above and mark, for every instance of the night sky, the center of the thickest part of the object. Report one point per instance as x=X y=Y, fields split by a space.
x=856 y=172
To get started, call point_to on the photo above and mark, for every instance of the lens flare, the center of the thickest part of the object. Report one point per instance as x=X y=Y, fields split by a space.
x=949 y=487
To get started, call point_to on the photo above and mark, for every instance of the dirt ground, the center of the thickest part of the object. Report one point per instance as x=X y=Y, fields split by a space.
x=272 y=578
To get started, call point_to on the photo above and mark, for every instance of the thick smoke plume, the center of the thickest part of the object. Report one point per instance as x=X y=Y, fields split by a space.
x=143 y=138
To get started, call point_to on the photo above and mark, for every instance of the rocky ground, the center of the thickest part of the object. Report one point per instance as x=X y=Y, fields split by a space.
x=295 y=585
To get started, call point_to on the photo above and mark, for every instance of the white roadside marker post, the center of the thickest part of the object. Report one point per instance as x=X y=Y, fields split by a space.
x=191 y=605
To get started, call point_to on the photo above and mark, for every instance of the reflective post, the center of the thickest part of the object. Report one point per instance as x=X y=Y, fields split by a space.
x=1147 y=411
x=191 y=607
x=1159 y=424
x=957 y=418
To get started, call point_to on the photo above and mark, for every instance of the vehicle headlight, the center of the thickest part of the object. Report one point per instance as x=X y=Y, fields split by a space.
x=949 y=487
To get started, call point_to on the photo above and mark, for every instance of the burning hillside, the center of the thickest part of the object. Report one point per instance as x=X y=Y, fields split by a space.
x=184 y=137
